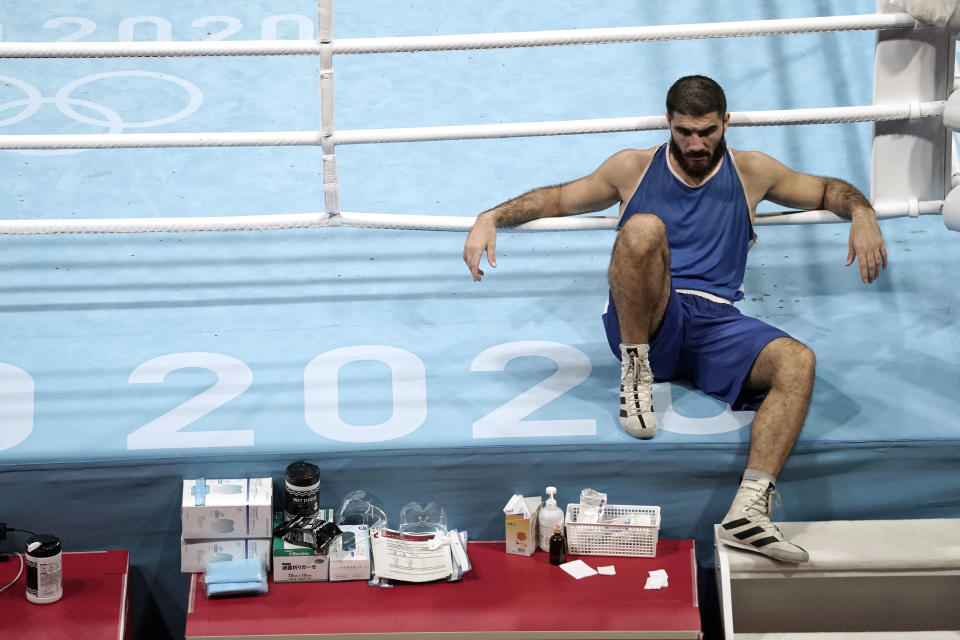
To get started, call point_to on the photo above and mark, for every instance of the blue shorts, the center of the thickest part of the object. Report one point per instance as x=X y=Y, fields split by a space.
x=708 y=344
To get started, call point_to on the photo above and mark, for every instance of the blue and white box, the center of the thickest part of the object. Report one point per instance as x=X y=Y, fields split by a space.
x=225 y=509
x=349 y=553
x=195 y=555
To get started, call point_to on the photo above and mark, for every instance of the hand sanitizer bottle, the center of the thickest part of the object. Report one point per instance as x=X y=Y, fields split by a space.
x=550 y=515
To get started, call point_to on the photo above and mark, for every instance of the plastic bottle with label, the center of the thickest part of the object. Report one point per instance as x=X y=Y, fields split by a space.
x=302 y=489
x=44 y=569
x=550 y=515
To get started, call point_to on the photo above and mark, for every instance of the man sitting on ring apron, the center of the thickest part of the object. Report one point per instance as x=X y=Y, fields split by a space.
x=686 y=214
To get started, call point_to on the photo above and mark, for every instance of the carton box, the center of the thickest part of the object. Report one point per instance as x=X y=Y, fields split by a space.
x=521 y=533
x=350 y=553
x=293 y=563
x=195 y=554
x=224 y=509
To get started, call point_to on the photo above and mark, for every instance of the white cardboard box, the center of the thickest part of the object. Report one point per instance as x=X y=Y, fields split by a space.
x=521 y=533
x=224 y=509
x=293 y=563
x=195 y=554
x=350 y=561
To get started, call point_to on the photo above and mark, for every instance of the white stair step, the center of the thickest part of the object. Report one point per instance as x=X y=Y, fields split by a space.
x=853 y=635
x=862 y=545
x=883 y=579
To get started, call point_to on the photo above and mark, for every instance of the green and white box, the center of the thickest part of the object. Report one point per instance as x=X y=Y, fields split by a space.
x=293 y=563
x=350 y=559
x=196 y=554
x=223 y=509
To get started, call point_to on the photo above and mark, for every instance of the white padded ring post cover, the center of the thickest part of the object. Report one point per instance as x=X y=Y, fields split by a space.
x=951 y=210
x=951 y=112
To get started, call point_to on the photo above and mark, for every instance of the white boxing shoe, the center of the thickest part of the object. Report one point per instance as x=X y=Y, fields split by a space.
x=636 y=391
x=747 y=524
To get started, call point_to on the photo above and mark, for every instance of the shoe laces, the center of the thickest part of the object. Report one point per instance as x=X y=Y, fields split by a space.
x=637 y=379
x=763 y=500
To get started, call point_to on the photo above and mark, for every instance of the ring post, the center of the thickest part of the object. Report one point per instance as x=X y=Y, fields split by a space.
x=911 y=158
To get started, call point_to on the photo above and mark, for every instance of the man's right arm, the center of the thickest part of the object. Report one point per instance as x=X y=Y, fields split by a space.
x=594 y=192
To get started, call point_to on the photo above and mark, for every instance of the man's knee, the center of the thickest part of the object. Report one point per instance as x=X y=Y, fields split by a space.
x=783 y=363
x=795 y=362
x=643 y=225
x=642 y=232
x=807 y=358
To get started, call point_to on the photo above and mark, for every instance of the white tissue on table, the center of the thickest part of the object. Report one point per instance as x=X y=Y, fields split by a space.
x=656 y=579
x=578 y=569
x=516 y=506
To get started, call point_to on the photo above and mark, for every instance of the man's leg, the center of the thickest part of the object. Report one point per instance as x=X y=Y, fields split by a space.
x=785 y=368
x=639 y=278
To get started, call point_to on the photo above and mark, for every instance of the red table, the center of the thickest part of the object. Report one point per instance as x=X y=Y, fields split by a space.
x=94 y=602
x=505 y=596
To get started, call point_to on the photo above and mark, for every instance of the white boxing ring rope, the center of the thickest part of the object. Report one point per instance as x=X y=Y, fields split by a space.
x=324 y=48
x=399 y=221
x=825 y=115
x=408 y=44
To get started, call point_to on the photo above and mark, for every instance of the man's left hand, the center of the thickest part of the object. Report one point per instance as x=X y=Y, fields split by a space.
x=866 y=246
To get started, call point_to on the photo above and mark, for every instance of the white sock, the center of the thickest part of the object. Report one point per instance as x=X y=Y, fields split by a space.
x=753 y=474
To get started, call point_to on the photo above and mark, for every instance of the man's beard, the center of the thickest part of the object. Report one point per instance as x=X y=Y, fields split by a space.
x=700 y=170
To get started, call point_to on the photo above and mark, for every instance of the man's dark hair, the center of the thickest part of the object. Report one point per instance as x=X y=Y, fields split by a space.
x=696 y=96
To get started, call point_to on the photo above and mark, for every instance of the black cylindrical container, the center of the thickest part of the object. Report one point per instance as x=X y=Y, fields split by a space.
x=303 y=485
x=44 y=569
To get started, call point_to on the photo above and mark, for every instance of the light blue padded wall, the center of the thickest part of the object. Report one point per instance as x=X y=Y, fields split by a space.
x=372 y=353
x=90 y=319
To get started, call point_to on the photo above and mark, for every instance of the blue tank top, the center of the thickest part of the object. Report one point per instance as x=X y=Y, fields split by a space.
x=708 y=227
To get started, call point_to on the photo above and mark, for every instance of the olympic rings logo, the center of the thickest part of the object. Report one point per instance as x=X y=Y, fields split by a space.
x=109 y=118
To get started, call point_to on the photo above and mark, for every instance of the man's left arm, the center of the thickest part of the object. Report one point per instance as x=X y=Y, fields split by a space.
x=782 y=185
x=865 y=242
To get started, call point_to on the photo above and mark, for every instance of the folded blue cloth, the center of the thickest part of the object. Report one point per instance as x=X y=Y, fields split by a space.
x=235 y=578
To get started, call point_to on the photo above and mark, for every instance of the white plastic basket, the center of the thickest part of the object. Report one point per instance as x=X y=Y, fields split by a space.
x=606 y=538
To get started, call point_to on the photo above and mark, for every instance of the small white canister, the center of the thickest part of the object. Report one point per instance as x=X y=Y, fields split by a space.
x=44 y=569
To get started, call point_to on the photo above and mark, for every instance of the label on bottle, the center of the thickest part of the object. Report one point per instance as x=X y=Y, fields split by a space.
x=44 y=579
x=548 y=518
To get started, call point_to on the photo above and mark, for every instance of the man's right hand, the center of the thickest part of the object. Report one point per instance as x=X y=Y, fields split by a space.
x=482 y=237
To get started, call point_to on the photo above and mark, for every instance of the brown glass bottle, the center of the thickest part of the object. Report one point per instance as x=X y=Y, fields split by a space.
x=558 y=551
